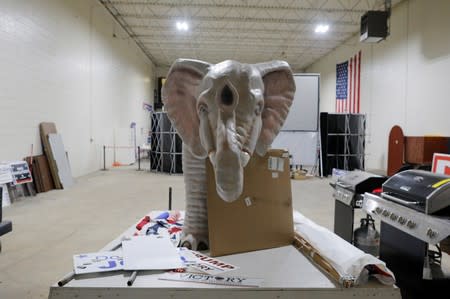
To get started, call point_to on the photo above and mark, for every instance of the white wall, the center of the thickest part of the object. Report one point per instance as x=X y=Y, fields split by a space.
x=405 y=80
x=59 y=62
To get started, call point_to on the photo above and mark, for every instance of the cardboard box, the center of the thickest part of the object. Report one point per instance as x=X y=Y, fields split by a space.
x=261 y=217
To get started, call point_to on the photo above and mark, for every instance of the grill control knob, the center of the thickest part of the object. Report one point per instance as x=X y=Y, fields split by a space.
x=402 y=220
x=378 y=210
x=386 y=213
x=411 y=224
x=393 y=217
x=431 y=233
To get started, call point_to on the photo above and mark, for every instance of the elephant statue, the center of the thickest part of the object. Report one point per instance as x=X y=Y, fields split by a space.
x=224 y=112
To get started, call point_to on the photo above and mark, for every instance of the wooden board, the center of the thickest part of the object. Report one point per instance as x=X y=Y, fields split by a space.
x=396 y=149
x=34 y=172
x=45 y=129
x=44 y=170
x=41 y=174
x=420 y=149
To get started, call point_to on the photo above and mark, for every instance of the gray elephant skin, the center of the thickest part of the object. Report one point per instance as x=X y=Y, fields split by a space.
x=225 y=111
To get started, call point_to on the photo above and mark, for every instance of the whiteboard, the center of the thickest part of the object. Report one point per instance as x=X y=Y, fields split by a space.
x=304 y=112
x=302 y=146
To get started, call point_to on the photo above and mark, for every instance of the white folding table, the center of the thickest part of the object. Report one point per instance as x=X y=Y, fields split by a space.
x=286 y=273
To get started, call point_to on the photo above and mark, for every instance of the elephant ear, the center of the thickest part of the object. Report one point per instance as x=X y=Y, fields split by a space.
x=279 y=89
x=179 y=95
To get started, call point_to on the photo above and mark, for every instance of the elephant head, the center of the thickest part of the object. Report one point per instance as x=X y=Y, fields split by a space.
x=228 y=111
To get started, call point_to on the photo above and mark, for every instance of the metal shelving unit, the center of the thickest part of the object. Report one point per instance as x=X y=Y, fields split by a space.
x=343 y=141
x=165 y=145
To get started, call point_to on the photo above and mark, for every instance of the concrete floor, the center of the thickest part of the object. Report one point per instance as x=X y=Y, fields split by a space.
x=50 y=228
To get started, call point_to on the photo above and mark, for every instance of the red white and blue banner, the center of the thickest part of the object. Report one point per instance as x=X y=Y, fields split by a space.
x=348 y=85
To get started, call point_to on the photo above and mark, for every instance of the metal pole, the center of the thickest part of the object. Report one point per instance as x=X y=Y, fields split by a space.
x=170 y=198
x=139 y=157
x=104 y=157
x=66 y=279
x=132 y=278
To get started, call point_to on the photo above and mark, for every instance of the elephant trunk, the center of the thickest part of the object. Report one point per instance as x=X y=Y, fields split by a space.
x=228 y=161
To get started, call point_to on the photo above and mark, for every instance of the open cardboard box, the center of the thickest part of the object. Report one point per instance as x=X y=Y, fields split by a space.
x=261 y=217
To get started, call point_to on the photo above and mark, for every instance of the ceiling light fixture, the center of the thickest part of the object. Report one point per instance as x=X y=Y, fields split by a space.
x=321 y=28
x=182 y=26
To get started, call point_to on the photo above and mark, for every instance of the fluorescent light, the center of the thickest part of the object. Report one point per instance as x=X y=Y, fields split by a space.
x=322 y=28
x=182 y=26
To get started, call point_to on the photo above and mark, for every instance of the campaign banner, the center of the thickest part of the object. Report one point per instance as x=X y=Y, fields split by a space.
x=213 y=279
x=210 y=265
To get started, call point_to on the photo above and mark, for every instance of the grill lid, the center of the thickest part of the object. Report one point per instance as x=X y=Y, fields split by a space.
x=359 y=181
x=419 y=189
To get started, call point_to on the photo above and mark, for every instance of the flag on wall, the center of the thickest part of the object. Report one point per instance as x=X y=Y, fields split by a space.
x=348 y=85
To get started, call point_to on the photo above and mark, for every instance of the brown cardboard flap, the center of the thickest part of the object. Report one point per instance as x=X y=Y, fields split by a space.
x=261 y=217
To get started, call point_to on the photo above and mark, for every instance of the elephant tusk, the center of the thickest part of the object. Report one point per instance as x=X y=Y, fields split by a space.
x=245 y=157
x=212 y=157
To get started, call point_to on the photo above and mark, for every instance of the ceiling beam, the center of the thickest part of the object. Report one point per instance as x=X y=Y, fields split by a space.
x=163 y=30
x=240 y=44
x=228 y=47
x=280 y=7
x=233 y=19
x=200 y=39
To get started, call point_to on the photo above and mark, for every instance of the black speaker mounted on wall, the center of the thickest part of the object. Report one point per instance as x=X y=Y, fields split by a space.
x=374 y=26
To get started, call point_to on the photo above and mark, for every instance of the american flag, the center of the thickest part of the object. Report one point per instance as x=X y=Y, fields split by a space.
x=348 y=85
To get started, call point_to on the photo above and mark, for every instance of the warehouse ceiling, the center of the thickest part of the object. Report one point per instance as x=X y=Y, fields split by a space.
x=244 y=30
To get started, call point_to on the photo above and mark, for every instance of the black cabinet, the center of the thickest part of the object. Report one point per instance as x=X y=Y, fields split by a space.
x=165 y=145
x=342 y=141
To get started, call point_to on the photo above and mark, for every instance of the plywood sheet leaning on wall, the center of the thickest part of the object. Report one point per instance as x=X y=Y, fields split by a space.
x=41 y=174
x=46 y=128
x=62 y=162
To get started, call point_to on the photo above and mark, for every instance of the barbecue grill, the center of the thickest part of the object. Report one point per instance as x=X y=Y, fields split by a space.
x=348 y=193
x=414 y=210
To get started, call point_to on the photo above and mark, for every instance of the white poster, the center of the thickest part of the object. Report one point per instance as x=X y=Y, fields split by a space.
x=151 y=252
x=5 y=174
x=98 y=262
x=6 y=201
